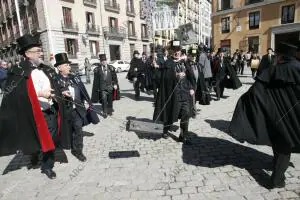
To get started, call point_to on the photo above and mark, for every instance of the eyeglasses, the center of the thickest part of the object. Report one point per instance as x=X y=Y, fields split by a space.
x=37 y=51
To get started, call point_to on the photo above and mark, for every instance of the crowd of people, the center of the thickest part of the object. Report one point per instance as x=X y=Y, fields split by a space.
x=46 y=107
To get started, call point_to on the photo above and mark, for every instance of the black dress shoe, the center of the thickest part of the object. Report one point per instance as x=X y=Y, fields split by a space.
x=49 y=173
x=104 y=115
x=272 y=184
x=79 y=156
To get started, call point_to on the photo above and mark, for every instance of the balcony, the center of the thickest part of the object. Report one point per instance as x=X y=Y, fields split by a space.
x=225 y=7
x=70 y=1
x=248 y=2
x=130 y=12
x=70 y=27
x=23 y=3
x=145 y=37
x=132 y=36
x=158 y=33
x=112 y=6
x=91 y=3
x=118 y=33
x=92 y=29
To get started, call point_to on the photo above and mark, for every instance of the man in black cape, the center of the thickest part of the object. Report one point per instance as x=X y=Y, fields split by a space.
x=269 y=113
x=224 y=74
x=105 y=85
x=32 y=118
x=174 y=100
x=136 y=73
x=267 y=61
x=201 y=89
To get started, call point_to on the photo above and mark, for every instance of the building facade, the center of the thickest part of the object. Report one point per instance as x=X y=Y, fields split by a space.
x=254 y=24
x=82 y=28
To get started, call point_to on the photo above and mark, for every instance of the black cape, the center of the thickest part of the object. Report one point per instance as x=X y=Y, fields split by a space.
x=97 y=87
x=18 y=130
x=167 y=84
x=269 y=113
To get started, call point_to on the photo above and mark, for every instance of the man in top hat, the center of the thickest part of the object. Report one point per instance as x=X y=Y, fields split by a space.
x=204 y=63
x=136 y=72
x=75 y=95
x=105 y=82
x=174 y=100
x=267 y=114
x=29 y=111
x=267 y=61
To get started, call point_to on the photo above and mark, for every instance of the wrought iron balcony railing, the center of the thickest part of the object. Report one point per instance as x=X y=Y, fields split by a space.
x=130 y=11
x=112 y=6
x=132 y=35
x=114 y=32
x=92 y=29
x=248 y=2
x=69 y=27
x=92 y=3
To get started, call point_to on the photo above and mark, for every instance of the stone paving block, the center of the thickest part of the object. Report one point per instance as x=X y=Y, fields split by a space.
x=172 y=192
x=271 y=196
x=180 y=197
x=288 y=194
x=176 y=185
x=189 y=190
x=205 y=189
x=195 y=183
x=253 y=197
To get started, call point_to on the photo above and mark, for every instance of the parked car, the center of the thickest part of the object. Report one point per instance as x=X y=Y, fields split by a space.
x=120 y=65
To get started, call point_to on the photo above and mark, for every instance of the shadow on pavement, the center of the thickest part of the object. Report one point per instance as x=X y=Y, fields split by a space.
x=221 y=125
x=87 y=134
x=132 y=96
x=20 y=160
x=123 y=154
x=214 y=152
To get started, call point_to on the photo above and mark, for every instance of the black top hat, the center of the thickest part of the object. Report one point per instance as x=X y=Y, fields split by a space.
x=102 y=57
x=286 y=49
x=175 y=45
x=61 y=58
x=26 y=42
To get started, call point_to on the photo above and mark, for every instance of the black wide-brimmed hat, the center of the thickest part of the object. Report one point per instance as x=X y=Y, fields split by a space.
x=61 y=58
x=102 y=57
x=27 y=41
x=285 y=48
x=136 y=52
x=175 y=45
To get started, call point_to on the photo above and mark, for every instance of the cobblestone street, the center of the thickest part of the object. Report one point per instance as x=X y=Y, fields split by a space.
x=214 y=166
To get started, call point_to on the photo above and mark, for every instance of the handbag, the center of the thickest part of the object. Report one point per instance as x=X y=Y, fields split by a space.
x=91 y=115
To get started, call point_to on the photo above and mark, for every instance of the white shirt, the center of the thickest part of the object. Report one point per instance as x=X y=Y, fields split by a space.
x=41 y=83
x=72 y=91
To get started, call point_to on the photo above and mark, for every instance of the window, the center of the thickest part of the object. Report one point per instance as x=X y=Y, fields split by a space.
x=254 y=19
x=94 y=48
x=67 y=14
x=132 y=48
x=144 y=30
x=145 y=48
x=130 y=7
x=90 y=19
x=225 y=24
x=113 y=22
x=120 y=62
x=131 y=28
x=253 y=43
x=225 y=4
x=288 y=14
x=71 y=46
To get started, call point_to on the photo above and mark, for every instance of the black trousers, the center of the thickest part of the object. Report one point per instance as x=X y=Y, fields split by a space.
x=107 y=101
x=219 y=88
x=184 y=116
x=242 y=68
x=280 y=164
x=50 y=116
x=136 y=86
x=77 y=133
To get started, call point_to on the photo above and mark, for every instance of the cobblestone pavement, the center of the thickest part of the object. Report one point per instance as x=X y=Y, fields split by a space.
x=214 y=166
